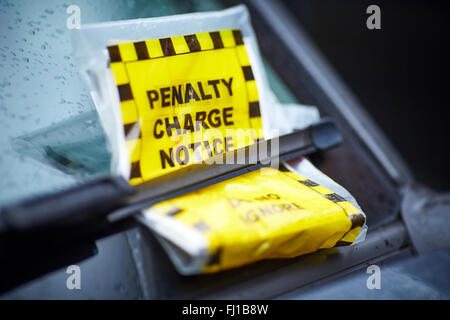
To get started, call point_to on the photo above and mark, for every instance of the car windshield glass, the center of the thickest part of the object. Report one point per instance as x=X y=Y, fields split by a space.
x=43 y=100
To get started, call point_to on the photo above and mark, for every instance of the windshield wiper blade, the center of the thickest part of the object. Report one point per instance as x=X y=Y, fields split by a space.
x=115 y=199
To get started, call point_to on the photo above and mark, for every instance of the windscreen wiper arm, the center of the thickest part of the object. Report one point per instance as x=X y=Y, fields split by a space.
x=114 y=199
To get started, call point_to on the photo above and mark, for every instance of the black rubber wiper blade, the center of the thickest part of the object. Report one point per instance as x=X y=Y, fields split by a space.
x=115 y=199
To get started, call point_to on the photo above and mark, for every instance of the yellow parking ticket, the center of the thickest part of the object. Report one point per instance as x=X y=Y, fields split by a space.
x=186 y=99
x=252 y=217
x=179 y=95
x=174 y=91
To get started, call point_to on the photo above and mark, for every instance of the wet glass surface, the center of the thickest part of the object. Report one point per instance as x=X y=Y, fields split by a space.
x=46 y=112
x=41 y=91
